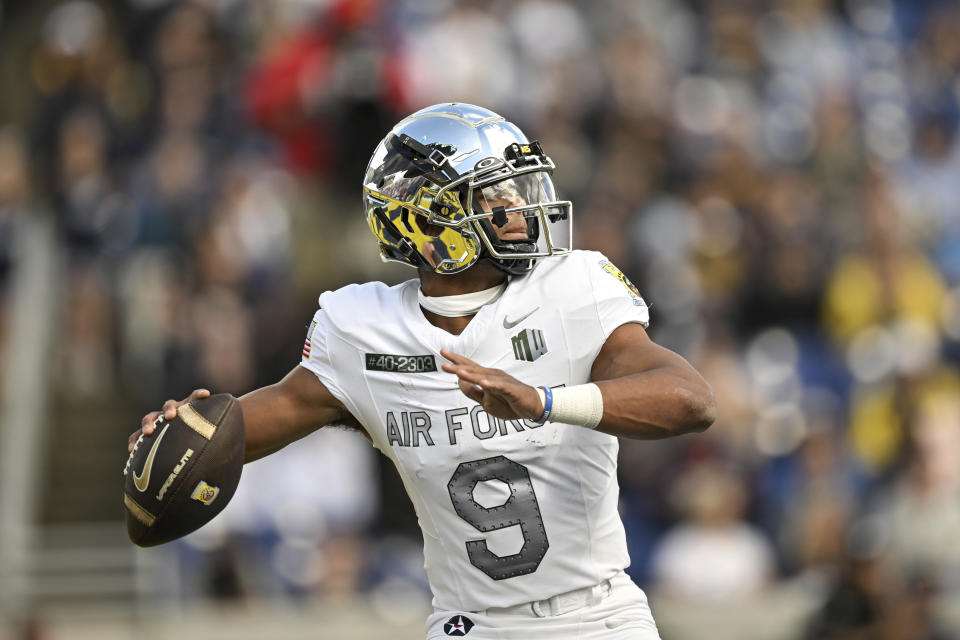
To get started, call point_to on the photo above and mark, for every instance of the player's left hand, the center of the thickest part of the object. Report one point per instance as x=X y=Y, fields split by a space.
x=500 y=394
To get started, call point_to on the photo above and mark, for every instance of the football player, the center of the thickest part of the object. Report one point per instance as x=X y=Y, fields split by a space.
x=497 y=382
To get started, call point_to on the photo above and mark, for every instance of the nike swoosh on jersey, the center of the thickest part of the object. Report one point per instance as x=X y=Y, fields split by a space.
x=508 y=324
x=143 y=480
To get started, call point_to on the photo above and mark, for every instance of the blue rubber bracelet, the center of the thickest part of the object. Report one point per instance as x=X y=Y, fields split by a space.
x=547 y=404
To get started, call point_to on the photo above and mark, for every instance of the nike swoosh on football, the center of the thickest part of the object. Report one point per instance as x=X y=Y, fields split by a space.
x=507 y=324
x=143 y=480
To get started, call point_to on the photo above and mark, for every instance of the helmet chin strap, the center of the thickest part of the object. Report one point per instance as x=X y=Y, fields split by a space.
x=465 y=304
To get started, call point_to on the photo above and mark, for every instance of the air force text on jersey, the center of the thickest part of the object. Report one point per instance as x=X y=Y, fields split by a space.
x=416 y=428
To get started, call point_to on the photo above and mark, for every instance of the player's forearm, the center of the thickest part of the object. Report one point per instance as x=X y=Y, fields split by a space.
x=654 y=404
x=284 y=412
x=271 y=422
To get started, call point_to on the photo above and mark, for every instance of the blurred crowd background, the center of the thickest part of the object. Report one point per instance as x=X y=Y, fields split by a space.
x=781 y=180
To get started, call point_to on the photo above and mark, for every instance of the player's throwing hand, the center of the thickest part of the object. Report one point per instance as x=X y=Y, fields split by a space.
x=500 y=394
x=169 y=411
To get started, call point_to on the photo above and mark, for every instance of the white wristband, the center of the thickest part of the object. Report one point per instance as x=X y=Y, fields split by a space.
x=580 y=405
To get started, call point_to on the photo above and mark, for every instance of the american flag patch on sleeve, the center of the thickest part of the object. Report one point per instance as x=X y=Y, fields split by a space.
x=309 y=340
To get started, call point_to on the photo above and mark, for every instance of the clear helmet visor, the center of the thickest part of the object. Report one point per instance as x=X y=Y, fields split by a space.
x=521 y=215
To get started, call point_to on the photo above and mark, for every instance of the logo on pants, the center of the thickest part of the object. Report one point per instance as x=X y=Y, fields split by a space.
x=458 y=626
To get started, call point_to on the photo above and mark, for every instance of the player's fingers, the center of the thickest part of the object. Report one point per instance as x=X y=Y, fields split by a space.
x=457 y=358
x=476 y=377
x=132 y=440
x=471 y=373
x=148 y=422
x=456 y=369
x=198 y=394
x=169 y=409
x=474 y=369
x=498 y=381
x=471 y=390
x=495 y=381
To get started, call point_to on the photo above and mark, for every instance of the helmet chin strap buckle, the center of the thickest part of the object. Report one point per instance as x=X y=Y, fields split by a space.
x=499 y=216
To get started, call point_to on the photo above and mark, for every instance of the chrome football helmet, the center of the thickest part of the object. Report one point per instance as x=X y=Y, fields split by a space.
x=455 y=183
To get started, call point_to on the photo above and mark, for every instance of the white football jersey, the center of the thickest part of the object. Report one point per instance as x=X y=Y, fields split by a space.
x=511 y=512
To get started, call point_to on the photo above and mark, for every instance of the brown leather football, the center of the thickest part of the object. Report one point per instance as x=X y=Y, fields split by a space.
x=184 y=473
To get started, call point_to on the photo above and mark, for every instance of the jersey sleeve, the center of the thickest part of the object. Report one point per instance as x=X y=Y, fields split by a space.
x=316 y=355
x=617 y=300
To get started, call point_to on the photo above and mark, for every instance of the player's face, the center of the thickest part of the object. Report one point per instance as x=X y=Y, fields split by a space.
x=515 y=229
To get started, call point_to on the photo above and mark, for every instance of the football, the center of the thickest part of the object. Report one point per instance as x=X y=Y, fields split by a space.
x=184 y=473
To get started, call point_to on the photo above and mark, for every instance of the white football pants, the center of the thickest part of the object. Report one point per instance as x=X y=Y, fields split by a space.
x=614 y=610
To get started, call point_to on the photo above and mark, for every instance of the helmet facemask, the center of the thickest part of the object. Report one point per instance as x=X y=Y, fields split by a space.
x=519 y=219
